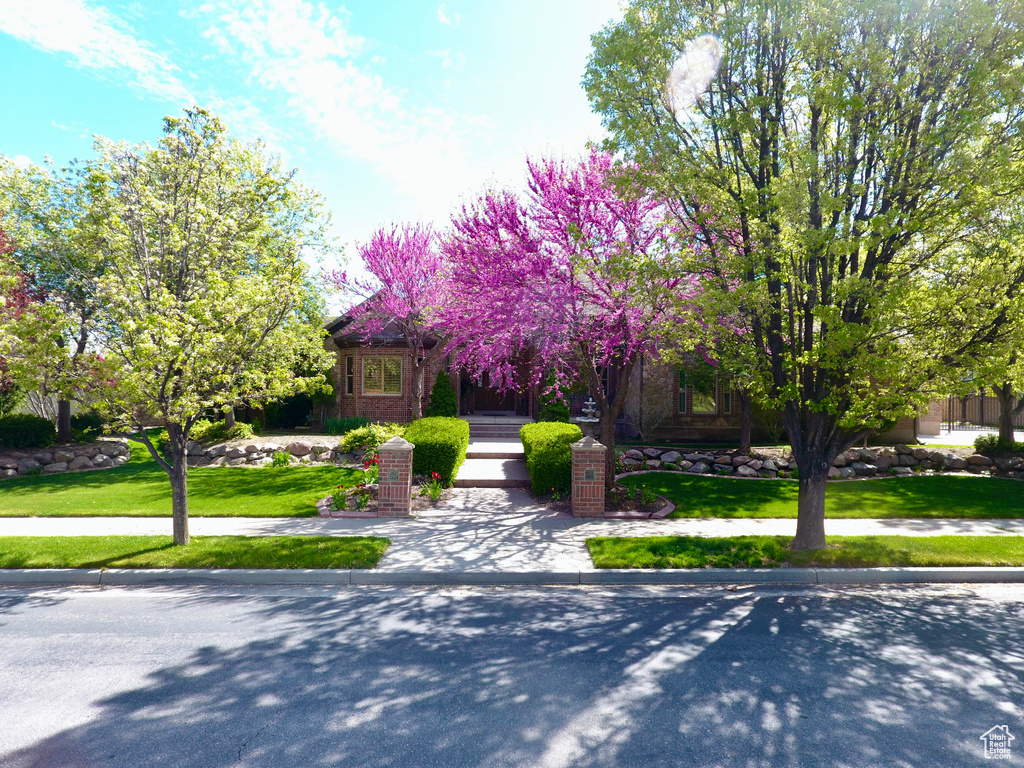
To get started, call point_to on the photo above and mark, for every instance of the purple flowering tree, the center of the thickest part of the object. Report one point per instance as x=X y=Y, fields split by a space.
x=583 y=275
x=403 y=292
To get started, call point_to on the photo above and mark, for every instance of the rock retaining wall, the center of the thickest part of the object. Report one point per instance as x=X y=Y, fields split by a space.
x=103 y=454
x=260 y=452
x=854 y=463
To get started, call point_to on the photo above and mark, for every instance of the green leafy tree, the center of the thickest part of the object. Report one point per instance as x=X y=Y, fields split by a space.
x=829 y=153
x=205 y=284
x=56 y=217
x=442 y=398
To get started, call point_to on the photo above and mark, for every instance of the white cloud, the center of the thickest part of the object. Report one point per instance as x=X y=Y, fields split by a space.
x=55 y=124
x=444 y=18
x=308 y=54
x=94 y=39
x=23 y=162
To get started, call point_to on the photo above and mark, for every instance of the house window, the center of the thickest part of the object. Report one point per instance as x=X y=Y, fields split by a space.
x=382 y=375
x=727 y=398
x=698 y=394
x=350 y=375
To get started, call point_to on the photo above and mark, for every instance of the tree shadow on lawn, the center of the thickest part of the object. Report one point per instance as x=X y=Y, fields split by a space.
x=391 y=677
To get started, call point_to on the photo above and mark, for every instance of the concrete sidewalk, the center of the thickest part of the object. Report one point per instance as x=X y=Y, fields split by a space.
x=492 y=531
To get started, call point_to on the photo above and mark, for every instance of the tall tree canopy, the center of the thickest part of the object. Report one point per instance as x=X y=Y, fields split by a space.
x=403 y=292
x=580 y=277
x=204 y=295
x=846 y=144
x=57 y=218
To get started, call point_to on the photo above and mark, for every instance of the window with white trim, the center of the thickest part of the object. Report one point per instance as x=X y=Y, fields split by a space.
x=382 y=375
x=350 y=375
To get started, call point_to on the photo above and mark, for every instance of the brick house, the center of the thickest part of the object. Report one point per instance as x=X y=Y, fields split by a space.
x=373 y=378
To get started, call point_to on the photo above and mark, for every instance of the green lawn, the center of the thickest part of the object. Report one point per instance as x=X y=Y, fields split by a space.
x=927 y=496
x=202 y=552
x=771 y=552
x=141 y=489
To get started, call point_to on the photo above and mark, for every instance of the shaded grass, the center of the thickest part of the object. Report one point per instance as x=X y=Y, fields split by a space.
x=202 y=552
x=140 y=488
x=771 y=552
x=927 y=496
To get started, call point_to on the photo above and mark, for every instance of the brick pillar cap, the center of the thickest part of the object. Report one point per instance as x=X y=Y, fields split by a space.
x=396 y=444
x=588 y=444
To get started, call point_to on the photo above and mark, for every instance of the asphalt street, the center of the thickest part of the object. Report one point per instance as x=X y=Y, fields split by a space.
x=569 y=676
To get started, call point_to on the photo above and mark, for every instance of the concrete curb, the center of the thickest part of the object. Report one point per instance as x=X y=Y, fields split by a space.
x=681 y=577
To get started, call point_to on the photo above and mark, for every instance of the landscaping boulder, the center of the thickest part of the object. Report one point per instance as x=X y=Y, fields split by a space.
x=901 y=471
x=119 y=460
x=929 y=464
x=80 y=462
x=866 y=455
x=271 y=448
x=113 y=448
x=955 y=462
x=217 y=461
x=633 y=453
x=630 y=463
x=902 y=450
x=53 y=469
x=834 y=473
x=744 y=471
x=192 y=448
x=979 y=460
x=27 y=465
x=236 y=453
x=1006 y=463
x=235 y=461
x=252 y=448
x=43 y=457
x=62 y=454
x=323 y=456
x=670 y=456
x=723 y=469
x=724 y=460
x=102 y=460
x=695 y=457
x=882 y=463
x=840 y=460
x=685 y=465
x=922 y=453
x=218 y=450
x=741 y=459
x=769 y=473
x=699 y=468
x=653 y=464
x=939 y=457
x=652 y=453
x=847 y=472
x=6 y=474
x=906 y=460
x=770 y=465
x=863 y=469
x=755 y=464
x=258 y=456
x=783 y=463
x=8 y=462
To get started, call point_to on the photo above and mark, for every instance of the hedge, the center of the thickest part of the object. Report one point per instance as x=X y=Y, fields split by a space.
x=548 y=455
x=23 y=430
x=369 y=436
x=441 y=443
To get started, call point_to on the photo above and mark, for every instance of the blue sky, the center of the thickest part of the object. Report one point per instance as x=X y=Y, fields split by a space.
x=395 y=110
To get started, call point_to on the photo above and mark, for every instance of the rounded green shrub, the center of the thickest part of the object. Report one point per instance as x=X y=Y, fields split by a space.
x=370 y=436
x=441 y=444
x=24 y=430
x=442 y=398
x=546 y=446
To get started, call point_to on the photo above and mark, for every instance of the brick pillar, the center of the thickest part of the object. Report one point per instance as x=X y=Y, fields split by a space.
x=394 y=489
x=588 y=478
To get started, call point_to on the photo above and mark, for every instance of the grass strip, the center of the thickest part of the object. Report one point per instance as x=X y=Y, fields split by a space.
x=202 y=552
x=771 y=552
x=934 y=496
x=140 y=488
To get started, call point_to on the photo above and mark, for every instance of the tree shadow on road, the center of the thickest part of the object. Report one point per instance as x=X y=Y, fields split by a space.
x=405 y=677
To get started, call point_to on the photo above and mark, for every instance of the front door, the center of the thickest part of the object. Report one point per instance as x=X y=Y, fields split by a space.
x=488 y=398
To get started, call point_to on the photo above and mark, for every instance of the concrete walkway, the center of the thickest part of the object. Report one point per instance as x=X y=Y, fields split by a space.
x=492 y=531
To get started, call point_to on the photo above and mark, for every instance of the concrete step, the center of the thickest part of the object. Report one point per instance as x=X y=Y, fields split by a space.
x=494 y=434
x=493 y=473
x=494 y=448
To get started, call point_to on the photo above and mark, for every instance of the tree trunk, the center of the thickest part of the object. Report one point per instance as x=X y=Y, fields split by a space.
x=417 y=391
x=179 y=500
x=745 y=420
x=810 y=520
x=606 y=429
x=229 y=418
x=1004 y=394
x=63 y=421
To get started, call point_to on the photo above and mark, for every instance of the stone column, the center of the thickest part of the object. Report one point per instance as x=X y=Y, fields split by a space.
x=588 y=478
x=394 y=487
